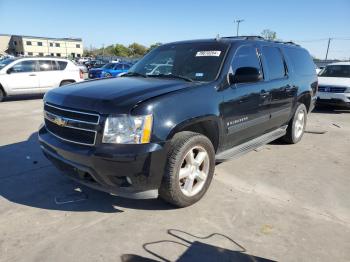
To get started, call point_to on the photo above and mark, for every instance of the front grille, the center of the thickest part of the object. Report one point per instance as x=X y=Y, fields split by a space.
x=331 y=89
x=70 y=125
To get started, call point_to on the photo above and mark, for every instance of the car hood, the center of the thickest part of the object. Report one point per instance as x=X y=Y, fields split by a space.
x=114 y=95
x=334 y=81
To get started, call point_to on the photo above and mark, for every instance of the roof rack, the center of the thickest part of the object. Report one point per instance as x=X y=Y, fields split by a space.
x=257 y=37
x=247 y=37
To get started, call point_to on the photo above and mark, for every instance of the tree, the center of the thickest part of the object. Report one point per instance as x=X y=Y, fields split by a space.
x=154 y=46
x=121 y=50
x=269 y=34
x=137 y=50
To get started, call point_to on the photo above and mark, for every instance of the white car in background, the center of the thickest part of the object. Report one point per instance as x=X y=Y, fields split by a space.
x=334 y=84
x=36 y=75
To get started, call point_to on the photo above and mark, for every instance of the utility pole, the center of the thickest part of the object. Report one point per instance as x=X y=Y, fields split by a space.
x=238 y=21
x=329 y=42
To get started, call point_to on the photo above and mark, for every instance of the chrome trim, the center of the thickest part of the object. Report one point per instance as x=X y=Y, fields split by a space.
x=69 y=119
x=79 y=112
x=64 y=139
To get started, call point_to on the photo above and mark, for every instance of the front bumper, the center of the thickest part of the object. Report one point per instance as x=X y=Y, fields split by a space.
x=339 y=99
x=108 y=167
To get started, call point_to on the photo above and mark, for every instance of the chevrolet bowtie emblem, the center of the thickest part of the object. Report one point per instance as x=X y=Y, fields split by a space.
x=60 y=121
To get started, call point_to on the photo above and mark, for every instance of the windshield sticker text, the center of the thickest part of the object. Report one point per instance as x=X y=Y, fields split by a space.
x=208 y=53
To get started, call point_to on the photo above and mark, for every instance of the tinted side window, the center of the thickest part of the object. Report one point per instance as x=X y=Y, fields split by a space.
x=62 y=65
x=274 y=60
x=118 y=67
x=246 y=56
x=24 y=66
x=301 y=61
x=45 y=65
x=126 y=67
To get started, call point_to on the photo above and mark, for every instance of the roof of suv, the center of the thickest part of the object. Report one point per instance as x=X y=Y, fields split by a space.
x=233 y=39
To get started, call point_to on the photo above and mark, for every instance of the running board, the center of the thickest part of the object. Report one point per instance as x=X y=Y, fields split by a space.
x=246 y=147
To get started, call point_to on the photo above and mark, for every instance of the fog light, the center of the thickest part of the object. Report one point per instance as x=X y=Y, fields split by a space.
x=128 y=179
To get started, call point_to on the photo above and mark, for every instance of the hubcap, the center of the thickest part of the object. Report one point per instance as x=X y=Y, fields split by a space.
x=194 y=171
x=299 y=124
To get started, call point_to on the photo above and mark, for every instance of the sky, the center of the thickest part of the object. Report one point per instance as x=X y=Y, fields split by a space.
x=308 y=23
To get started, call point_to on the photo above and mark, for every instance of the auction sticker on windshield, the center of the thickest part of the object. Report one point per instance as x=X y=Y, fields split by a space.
x=208 y=53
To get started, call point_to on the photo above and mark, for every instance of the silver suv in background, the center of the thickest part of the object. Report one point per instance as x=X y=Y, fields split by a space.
x=334 y=85
x=36 y=75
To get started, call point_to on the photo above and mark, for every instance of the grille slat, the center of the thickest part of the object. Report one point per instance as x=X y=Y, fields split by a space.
x=76 y=115
x=70 y=125
x=331 y=89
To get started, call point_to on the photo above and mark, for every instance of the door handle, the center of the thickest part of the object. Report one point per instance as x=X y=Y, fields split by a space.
x=32 y=75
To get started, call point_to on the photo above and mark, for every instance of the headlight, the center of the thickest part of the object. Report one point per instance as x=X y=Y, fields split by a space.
x=125 y=129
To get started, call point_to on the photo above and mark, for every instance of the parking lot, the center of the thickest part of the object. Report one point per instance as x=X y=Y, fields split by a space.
x=280 y=202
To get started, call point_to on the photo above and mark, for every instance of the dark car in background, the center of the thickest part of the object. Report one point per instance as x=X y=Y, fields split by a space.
x=95 y=64
x=109 y=70
x=161 y=131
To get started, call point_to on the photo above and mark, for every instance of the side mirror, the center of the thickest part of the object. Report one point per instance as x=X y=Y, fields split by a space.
x=9 y=71
x=245 y=75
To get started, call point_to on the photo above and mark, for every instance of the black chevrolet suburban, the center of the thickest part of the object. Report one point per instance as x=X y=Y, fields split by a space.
x=160 y=128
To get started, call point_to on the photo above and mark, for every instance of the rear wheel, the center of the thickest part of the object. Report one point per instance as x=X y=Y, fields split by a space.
x=189 y=170
x=2 y=95
x=297 y=125
x=108 y=75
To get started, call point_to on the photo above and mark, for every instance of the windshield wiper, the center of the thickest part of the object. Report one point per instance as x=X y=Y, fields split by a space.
x=173 y=76
x=134 y=74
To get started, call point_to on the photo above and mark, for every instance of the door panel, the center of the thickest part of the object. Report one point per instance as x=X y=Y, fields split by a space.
x=245 y=108
x=243 y=114
x=23 y=78
x=280 y=88
x=49 y=74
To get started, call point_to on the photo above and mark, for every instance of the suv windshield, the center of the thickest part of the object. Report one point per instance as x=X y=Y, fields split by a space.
x=193 y=61
x=336 y=71
x=5 y=62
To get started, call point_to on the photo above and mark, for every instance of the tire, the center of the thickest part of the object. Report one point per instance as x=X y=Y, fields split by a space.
x=296 y=126
x=108 y=75
x=2 y=95
x=199 y=173
x=66 y=82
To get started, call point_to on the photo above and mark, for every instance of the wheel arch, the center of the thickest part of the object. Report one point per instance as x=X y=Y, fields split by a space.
x=207 y=126
x=67 y=80
x=305 y=98
x=3 y=89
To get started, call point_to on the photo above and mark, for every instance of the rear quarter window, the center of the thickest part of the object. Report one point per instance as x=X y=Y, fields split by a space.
x=301 y=61
x=62 y=65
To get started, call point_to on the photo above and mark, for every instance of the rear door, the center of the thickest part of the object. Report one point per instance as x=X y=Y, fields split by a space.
x=22 y=77
x=280 y=89
x=49 y=74
x=244 y=103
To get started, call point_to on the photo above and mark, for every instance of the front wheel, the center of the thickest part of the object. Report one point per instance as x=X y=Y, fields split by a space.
x=297 y=125
x=189 y=170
